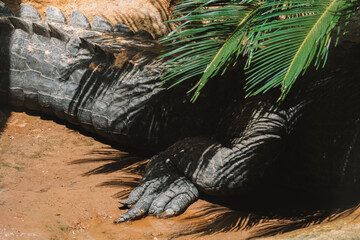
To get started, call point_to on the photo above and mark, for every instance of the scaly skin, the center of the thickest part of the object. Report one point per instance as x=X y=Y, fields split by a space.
x=112 y=89
x=210 y=166
x=310 y=143
x=109 y=84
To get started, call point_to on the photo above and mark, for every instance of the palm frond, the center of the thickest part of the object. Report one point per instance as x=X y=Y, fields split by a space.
x=281 y=38
x=293 y=34
x=210 y=37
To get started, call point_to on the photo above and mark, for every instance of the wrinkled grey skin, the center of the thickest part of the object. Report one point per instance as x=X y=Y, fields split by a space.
x=109 y=83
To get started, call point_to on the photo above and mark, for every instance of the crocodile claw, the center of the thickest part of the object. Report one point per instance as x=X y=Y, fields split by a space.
x=166 y=195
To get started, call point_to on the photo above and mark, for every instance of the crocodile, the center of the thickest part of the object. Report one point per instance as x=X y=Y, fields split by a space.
x=107 y=79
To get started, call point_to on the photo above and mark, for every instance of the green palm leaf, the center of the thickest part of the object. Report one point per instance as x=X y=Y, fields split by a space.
x=281 y=38
x=284 y=48
x=211 y=35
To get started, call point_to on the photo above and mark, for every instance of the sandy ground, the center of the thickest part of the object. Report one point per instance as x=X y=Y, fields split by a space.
x=57 y=183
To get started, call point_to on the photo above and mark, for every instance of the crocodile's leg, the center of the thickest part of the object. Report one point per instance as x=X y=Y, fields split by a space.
x=310 y=142
x=174 y=177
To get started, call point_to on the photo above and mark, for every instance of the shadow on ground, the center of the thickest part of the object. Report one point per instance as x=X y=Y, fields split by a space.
x=4 y=115
x=131 y=167
x=5 y=66
x=264 y=213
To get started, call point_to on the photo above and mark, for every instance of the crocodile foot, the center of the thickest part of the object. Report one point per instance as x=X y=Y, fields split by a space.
x=163 y=192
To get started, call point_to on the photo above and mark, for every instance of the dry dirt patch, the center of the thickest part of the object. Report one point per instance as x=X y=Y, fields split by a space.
x=56 y=183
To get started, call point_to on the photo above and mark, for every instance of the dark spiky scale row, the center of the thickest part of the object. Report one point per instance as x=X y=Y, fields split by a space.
x=21 y=23
x=77 y=19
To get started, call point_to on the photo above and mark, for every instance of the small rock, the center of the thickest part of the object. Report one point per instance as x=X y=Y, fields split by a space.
x=156 y=234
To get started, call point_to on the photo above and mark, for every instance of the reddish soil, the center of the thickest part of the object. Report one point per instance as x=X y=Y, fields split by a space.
x=57 y=183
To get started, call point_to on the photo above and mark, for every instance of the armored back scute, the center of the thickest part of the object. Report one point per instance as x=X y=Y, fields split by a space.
x=77 y=19
x=27 y=11
x=53 y=14
x=101 y=24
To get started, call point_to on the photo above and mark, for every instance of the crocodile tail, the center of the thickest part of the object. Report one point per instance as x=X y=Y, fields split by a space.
x=105 y=81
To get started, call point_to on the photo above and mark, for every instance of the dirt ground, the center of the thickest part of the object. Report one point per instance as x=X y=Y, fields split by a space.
x=59 y=183
x=56 y=183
